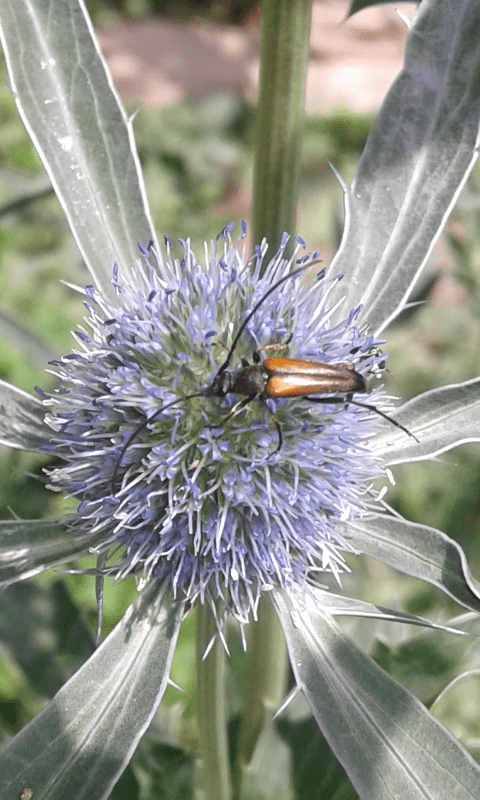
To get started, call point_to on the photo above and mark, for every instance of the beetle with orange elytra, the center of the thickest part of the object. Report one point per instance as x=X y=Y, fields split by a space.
x=274 y=377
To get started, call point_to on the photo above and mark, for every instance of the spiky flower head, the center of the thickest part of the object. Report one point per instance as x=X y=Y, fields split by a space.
x=210 y=505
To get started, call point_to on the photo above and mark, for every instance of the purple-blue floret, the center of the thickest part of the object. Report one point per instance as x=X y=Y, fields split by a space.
x=209 y=504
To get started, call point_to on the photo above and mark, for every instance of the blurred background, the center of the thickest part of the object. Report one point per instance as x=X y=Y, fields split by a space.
x=190 y=68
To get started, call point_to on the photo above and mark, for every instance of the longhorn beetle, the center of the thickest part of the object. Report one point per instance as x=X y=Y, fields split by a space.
x=274 y=377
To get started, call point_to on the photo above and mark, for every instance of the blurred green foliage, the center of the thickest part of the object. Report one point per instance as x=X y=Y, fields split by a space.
x=197 y=160
x=234 y=12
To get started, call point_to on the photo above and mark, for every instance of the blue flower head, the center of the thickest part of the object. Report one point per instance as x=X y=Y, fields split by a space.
x=213 y=505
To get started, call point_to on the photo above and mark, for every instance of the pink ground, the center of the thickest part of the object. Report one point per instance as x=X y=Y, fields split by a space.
x=156 y=63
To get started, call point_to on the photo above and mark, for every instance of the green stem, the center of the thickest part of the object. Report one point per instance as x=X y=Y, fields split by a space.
x=211 y=712
x=283 y=68
x=266 y=682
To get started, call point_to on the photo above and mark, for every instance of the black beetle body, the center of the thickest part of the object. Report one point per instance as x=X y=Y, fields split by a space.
x=273 y=378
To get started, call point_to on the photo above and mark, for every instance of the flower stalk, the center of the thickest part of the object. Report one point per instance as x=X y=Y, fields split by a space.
x=280 y=114
x=211 y=708
x=267 y=672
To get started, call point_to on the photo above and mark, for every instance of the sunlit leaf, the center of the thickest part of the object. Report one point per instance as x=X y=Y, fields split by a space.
x=77 y=123
x=31 y=546
x=385 y=739
x=80 y=743
x=441 y=419
x=421 y=149
x=420 y=551
x=22 y=422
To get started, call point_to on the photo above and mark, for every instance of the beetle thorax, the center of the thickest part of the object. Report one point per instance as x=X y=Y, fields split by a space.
x=251 y=379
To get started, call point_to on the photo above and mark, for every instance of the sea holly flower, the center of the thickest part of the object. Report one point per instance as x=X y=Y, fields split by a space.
x=170 y=480
x=219 y=507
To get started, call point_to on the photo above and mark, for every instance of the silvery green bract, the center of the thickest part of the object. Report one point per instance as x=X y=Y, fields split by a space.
x=421 y=149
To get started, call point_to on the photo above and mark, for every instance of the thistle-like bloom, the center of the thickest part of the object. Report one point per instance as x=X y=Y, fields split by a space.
x=213 y=505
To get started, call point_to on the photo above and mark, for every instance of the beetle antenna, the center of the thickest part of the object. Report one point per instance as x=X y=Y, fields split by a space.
x=141 y=428
x=385 y=416
x=368 y=406
x=255 y=309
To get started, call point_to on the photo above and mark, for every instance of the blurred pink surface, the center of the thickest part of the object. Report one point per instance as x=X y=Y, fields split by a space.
x=352 y=63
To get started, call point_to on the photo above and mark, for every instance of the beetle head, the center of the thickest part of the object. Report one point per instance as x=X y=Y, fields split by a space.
x=220 y=386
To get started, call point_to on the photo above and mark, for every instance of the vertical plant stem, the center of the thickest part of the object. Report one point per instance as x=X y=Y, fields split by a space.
x=283 y=68
x=211 y=711
x=267 y=672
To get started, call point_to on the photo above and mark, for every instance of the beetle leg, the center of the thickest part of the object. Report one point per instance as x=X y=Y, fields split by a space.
x=235 y=409
x=276 y=346
x=280 y=437
x=338 y=400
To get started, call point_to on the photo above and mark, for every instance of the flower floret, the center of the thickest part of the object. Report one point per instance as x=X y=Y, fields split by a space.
x=222 y=506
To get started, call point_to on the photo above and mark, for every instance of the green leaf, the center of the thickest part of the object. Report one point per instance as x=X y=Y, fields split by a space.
x=339 y=605
x=44 y=633
x=22 y=423
x=28 y=547
x=417 y=550
x=440 y=418
x=30 y=344
x=385 y=739
x=267 y=776
x=316 y=771
x=77 y=123
x=420 y=151
x=162 y=771
x=81 y=742
x=358 y=5
x=126 y=788
x=425 y=664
